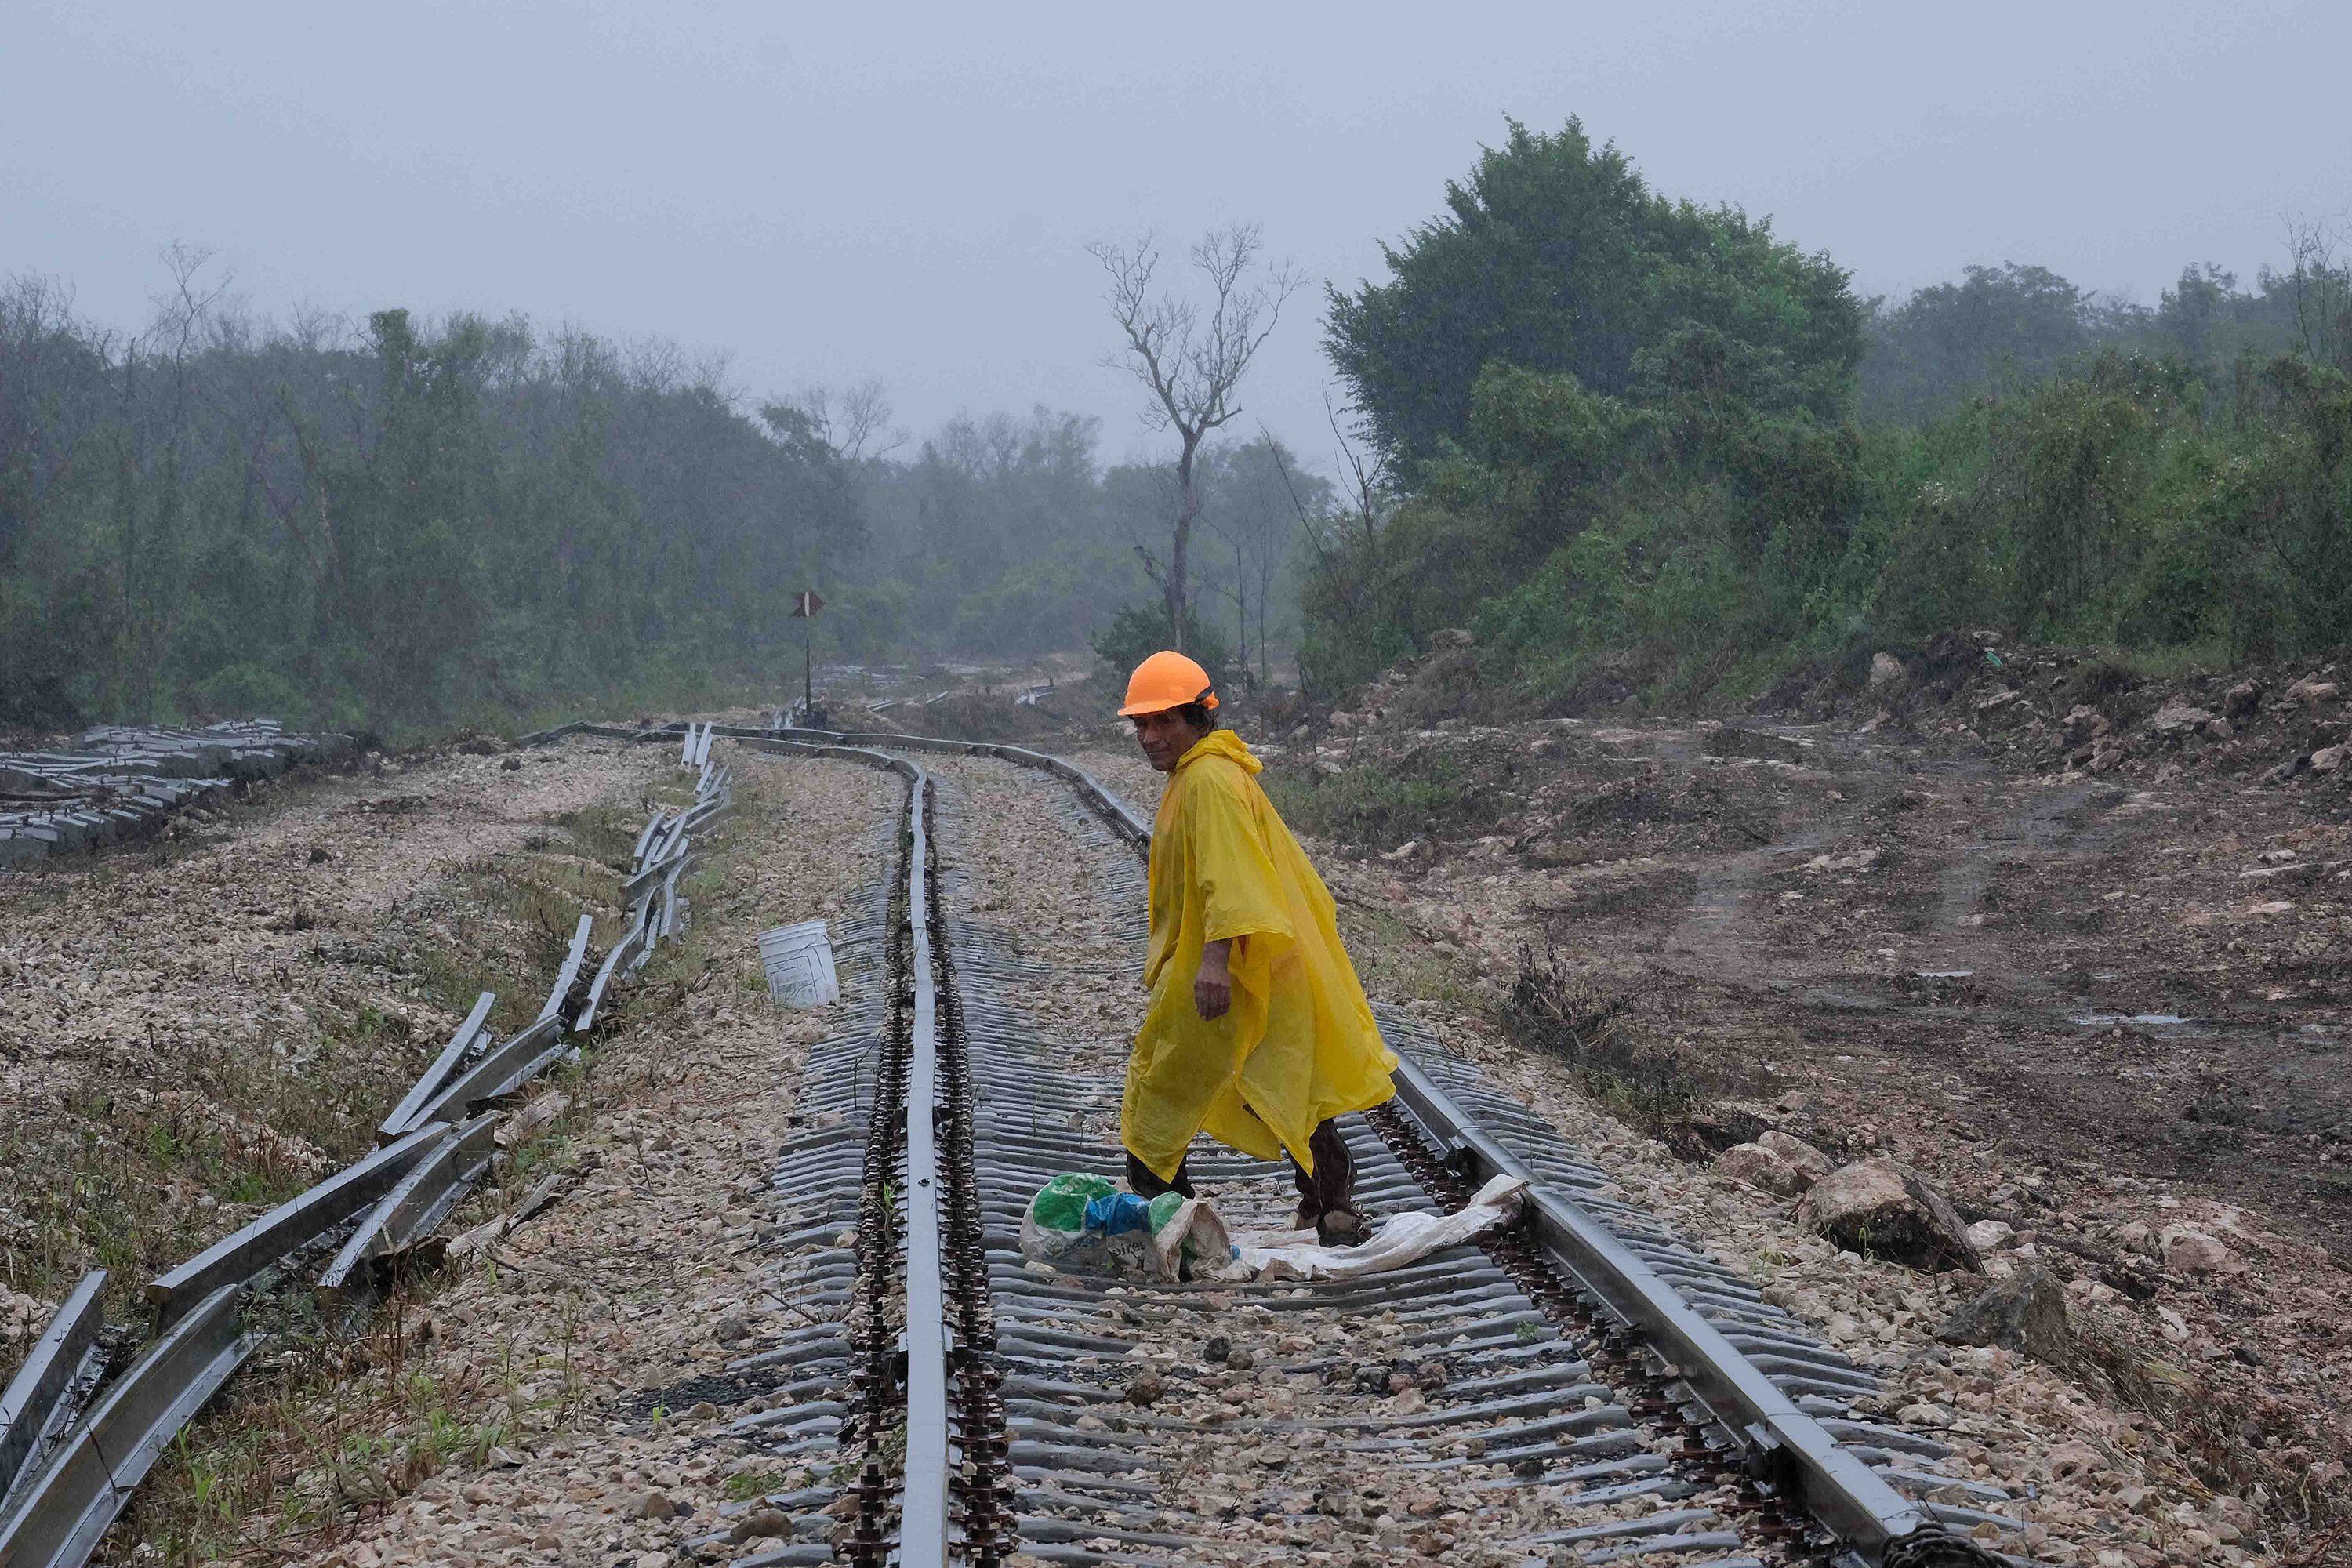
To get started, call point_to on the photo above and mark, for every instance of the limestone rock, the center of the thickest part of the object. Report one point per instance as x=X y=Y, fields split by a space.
x=2175 y=716
x=2025 y=1313
x=2075 y=1458
x=2083 y=723
x=1758 y=1167
x=1879 y=1208
x=1775 y=1162
x=2311 y=689
x=1990 y=1235
x=765 y=1521
x=1885 y=670
x=1809 y=1162
x=2241 y=701
x=2187 y=1250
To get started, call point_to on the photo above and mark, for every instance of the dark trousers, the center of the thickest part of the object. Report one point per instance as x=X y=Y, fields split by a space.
x=1332 y=1186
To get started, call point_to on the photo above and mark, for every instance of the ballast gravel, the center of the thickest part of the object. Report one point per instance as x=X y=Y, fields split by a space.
x=605 y=1324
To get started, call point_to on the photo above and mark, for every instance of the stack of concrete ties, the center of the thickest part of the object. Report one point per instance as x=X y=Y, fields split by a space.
x=122 y=781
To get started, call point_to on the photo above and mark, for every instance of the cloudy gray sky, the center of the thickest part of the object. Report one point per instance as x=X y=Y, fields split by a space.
x=903 y=191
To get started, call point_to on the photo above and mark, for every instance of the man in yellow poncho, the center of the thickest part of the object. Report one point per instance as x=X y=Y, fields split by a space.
x=1258 y=1033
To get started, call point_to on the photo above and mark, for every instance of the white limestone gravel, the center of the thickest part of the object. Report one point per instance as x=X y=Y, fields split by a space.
x=592 y=1323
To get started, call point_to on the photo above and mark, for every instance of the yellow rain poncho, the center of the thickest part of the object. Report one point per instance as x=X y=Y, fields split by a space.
x=1298 y=1045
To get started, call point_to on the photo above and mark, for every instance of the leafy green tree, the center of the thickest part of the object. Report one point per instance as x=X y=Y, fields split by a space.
x=2005 y=324
x=1554 y=257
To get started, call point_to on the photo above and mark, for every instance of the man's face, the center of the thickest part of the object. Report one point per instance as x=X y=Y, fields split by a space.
x=1165 y=737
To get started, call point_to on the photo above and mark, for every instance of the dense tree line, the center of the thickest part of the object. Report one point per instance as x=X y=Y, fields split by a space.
x=402 y=524
x=1640 y=445
x=1636 y=443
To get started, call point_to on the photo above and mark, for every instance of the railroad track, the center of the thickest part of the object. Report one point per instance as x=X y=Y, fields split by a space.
x=1585 y=1388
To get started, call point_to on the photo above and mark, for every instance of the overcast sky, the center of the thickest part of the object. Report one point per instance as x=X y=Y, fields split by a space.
x=834 y=193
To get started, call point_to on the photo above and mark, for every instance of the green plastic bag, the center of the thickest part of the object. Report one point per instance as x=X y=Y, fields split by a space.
x=1061 y=1204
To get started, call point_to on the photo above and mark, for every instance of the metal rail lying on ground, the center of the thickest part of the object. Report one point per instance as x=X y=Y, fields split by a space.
x=472 y=1035
x=293 y=1224
x=101 y=1462
x=397 y=1194
x=570 y=973
x=423 y=1198
x=40 y=1386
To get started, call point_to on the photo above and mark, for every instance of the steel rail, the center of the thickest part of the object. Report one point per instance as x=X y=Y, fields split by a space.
x=928 y=1466
x=1780 y=1444
x=423 y=1198
x=616 y=962
x=470 y=1036
x=571 y=970
x=41 y=1384
x=288 y=1228
x=498 y=1071
x=69 y=1506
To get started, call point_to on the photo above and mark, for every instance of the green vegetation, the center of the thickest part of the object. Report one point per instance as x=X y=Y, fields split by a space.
x=409 y=526
x=1622 y=440
x=1636 y=444
x=1432 y=790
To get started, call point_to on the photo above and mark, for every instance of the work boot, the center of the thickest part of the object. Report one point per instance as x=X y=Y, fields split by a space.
x=1327 y=1200
x=1145 y=1183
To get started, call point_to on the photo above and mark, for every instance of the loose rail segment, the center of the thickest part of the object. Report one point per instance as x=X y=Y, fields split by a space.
x=66 y=1475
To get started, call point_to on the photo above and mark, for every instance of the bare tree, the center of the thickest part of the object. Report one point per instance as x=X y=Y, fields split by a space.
x=1191 y=363
x=2323 y=292
x=854 y=422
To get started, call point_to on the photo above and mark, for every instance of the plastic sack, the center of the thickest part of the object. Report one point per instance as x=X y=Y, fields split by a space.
x=1398 y=1240
x=1090 y=1224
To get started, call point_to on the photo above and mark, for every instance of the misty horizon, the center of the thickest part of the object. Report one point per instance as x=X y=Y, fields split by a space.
x=924 y=199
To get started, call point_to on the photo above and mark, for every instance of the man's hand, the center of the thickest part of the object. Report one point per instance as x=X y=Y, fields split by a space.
x=1212 y=988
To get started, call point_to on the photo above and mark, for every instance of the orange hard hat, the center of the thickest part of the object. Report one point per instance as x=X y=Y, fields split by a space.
x=1167 y=679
